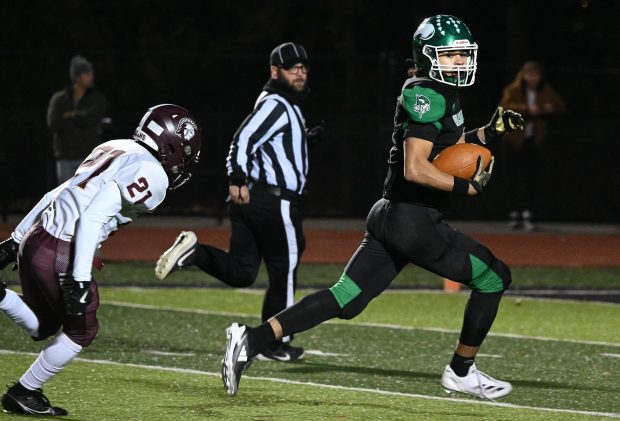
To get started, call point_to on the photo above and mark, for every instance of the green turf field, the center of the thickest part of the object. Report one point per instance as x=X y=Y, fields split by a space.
x=157 y=357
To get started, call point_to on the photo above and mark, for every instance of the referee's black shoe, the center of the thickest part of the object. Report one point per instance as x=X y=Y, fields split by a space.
x=284 y=352
x=180 y=254
x=20 y=400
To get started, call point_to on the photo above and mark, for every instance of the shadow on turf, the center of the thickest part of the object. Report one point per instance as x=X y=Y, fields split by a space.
x=303 y=407
x=310 y=368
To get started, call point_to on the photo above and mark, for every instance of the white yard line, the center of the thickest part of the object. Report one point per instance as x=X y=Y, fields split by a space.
x=168 y=354
x=350 y=323
x=472 y=401
x=488 y=355
x=320 y=353
x=606 y=354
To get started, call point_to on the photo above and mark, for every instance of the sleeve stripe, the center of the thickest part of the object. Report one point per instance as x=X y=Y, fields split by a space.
x=268 y=117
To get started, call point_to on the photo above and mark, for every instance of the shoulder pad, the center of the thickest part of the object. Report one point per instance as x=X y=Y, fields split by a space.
x=424 y=105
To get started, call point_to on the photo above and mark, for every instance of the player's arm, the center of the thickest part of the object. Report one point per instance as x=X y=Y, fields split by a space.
x=426 y=108
x=103 y=207
x=418 y=169
x=75 y=286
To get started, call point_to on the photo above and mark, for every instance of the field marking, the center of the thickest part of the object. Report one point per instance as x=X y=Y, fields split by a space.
x=168 y=354
x=472 y=401
x=351 y=323
x=606 y=354
x=320 y=353
x=489 y=355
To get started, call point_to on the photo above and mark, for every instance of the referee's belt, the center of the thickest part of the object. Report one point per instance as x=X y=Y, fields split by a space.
x=286 y=194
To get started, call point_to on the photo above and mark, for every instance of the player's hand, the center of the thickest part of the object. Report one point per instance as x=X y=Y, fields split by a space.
x=481 y=177
x=76 y=295
x=314 y=134
x=8 y=252
x=503 y=121
x=239 y=195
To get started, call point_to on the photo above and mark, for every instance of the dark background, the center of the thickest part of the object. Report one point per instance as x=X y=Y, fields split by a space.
x=212 y=58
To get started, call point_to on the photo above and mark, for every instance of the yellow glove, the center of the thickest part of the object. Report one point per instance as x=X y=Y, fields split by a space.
x=503 y=121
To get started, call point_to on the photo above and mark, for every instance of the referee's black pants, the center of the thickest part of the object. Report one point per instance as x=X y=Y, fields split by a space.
x=268 y=228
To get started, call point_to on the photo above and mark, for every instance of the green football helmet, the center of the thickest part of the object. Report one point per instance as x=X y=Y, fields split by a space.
x=440 y=34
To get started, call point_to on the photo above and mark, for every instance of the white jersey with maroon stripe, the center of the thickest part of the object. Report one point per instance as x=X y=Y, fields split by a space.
x=116 y=183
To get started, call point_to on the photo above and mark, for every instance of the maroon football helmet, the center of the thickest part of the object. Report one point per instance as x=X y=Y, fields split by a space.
x=174 y=136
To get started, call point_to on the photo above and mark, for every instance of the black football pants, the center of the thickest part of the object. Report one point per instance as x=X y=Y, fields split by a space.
x=268 y=228
x=401 y=233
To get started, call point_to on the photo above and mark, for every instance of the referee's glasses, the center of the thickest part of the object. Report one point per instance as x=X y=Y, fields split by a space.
x=298 y=68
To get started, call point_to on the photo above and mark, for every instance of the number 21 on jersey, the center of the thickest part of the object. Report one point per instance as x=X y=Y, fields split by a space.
x=101 y=159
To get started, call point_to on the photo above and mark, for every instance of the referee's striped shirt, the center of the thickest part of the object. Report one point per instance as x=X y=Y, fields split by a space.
x=270 y=146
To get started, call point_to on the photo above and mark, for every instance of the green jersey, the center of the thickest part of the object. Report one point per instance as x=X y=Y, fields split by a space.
x=427 y=110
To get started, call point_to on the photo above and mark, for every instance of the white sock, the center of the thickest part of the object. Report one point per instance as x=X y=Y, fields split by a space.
x=60 y=352
x=19 y=312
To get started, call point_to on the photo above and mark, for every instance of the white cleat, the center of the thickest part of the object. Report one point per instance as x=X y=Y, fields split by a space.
x=180 y=254
x=475 y=383
x=236 y=359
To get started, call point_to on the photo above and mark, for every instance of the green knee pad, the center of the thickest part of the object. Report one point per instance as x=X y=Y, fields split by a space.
x=483 y=278
x=345 y=290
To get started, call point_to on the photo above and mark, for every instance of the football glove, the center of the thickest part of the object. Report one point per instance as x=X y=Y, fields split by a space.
x=481 y=177
x=503 y=121
x=76 y=295
x=8 y=252
x=314 y=134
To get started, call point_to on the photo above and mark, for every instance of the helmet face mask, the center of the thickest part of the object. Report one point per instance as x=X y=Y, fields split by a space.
x=174 y=137
x=443 y=34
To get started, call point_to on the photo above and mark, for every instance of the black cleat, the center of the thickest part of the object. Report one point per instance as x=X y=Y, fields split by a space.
x=285 y=352
x=20 y=400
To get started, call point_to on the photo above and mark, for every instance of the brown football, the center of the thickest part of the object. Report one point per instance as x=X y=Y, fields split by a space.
x=460 y=160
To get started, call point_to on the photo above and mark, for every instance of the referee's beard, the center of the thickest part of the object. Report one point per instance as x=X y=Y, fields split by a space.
x=296 y=83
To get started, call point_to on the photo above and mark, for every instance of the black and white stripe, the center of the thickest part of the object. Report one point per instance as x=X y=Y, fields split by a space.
x=270 y=146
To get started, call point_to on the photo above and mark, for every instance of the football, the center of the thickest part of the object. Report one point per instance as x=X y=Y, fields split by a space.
x=460 y=160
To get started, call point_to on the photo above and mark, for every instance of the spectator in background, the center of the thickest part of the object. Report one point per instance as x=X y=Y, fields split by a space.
x=530 y=95
x=74 y=116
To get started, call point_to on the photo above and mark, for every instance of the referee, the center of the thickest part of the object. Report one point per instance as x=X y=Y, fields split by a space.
x=267 y=166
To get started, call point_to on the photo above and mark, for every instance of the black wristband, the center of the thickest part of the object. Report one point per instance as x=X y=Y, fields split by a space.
x=476 y=186
x=472 y=137
x=490 y=133
x=461 y=186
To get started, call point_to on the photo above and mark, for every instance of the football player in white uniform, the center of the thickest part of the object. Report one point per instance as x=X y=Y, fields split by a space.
x=55 y=243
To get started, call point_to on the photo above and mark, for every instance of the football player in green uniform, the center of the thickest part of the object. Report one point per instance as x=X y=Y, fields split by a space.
x=407 y=225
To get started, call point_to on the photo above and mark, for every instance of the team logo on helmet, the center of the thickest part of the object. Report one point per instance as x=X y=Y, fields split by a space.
x=425 y=30
x=422 y=105
x=186 y=129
